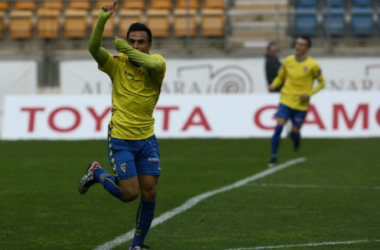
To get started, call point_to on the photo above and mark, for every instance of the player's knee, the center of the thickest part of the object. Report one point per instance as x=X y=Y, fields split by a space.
x=129 y=195
x=149 y=194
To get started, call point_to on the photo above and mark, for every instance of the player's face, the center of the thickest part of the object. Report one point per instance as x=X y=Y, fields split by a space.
x=139 y=40
x=301 y=47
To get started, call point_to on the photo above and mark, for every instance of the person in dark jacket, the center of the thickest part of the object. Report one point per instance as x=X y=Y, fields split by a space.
x=272 y=64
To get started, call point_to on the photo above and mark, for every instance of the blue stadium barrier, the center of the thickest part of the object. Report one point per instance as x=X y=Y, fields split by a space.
x=334 y=22
x=362 y=3
x=335 y=3
x=362 y=21
x=307 y=3
x=306 y=23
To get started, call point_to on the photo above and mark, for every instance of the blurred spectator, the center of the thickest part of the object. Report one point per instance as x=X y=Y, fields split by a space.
x=272 y=64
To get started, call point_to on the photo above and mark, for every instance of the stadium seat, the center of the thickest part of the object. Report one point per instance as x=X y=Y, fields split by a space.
x=335 y=3
x=362 y=3
x=158 y=22
x=75 y=23
x=126 y=18
x=214 y=4
x=99 y=4
x=184 y=22
x=79 y=4
x=109 y=29
x=306 y=23
x=52 y=4
x=212 y=22
x=362 y=21
x=48 y=23
x=4 y=5
x=134 y=4
x=161 y=4
x=2 y=21
x=306 y=3
x=20 y=24
x=25 y=5
x=192 y=4
x=334 y=22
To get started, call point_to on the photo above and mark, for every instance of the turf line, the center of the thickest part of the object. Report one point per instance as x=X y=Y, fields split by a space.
x=195 y=200
x=280 y=185
x=307 y=245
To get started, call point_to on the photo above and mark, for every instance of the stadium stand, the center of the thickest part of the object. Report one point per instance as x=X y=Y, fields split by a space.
x=126 y=18
x=4 y=5
x=334 y=22
x=362 y=17
x=75 y=23
x=307 y=4
x=79 y=4
x=158 y=21
x=48 y=23
x=134 y=4
x=25 y=5
x=306 y=23
x=58 y=5
x=161 y=4
x=214 y=4
x=2 y=22
x=184 y=22
x=212 y=23
x=20 y=24
x=192 y=4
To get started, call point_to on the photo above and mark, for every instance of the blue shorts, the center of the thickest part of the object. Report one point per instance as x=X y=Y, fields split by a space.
x=129 y=158
x=296 y=116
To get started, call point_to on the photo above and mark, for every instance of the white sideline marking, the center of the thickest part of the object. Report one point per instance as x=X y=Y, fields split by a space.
x=307 y=245
x=195 y=200
x=264 y=185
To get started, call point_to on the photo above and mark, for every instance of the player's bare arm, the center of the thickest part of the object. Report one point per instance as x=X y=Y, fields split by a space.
x=98 y=53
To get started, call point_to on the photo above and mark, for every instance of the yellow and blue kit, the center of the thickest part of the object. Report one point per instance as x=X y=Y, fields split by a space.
x=299 y=79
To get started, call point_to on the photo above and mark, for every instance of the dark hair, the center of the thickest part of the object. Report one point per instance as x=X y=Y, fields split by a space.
x=308 y=39
x=270 y=44
x=140 y=27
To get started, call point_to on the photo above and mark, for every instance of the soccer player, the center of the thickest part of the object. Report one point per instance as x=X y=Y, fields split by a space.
x=299 y=72
x=133 y=151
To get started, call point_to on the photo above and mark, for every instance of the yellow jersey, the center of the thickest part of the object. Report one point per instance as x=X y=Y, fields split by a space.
x=299 y=79
x=134 y=96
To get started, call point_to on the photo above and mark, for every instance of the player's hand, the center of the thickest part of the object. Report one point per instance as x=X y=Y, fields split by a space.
x=271 y=88
x=109 y=9
x=304 y=97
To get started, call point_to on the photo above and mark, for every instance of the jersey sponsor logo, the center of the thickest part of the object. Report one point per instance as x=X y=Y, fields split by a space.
x=153 y=160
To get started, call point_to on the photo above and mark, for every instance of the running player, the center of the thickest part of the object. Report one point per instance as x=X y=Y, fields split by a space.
x=133 y=151
x=299 y=72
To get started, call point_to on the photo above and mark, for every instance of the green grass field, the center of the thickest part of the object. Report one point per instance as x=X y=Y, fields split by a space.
x=334 y=196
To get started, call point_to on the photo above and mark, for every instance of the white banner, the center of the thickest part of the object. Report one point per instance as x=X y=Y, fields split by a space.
x=221 y=76
x=17 y=77
x=234 y=116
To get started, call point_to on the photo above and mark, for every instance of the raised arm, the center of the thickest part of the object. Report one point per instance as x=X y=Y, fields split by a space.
x=94 y=46
x=145 y=60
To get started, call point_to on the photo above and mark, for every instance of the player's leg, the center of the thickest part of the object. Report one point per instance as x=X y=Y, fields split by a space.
x=295 y=134
x=149 y=169
x=282 y=116
x=123 y=183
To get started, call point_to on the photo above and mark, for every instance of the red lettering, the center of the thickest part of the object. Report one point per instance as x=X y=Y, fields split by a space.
x=378 y=117
x=56 y=111
x=166 y=111
x=203 y=121
x=32 y=116
x=257 y=118
x=98 y=119
x=317 y=119
x=339 y=108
